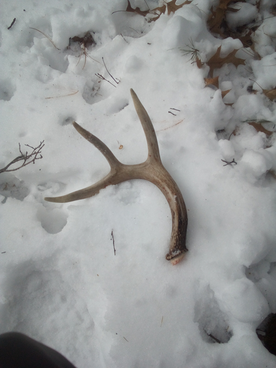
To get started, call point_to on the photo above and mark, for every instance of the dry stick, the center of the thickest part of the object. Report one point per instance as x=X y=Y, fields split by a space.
x=113 y=240
x=70 y=94
x=116 y=81
x=12 y=23
x=229 y=163
x=44 y=34
x=103 y=78
x=34 y=155
x=161 y=130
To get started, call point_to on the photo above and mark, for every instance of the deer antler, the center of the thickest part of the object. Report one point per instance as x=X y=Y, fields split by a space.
x=152 y=170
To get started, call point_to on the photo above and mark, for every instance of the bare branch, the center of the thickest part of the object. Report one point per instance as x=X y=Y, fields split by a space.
x=103 y=78
x=229 y=162
x=12 y=23
x=113 y=241
x=26 y=158
x=115 y=80
x=44 y=34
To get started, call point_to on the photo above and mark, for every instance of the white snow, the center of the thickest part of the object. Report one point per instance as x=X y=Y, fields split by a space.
x=60 y=280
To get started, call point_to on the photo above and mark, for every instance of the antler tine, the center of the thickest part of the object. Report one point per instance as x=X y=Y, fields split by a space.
x=153 y=150
x=112 y=160
x=152 y=170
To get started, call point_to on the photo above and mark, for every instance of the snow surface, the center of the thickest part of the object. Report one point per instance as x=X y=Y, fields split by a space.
x=60 y=280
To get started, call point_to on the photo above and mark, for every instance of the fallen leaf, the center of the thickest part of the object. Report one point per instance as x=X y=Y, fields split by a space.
x=212 y=81
x=217 y=17
x=172 y=7
x=216 y=61
x=160 y=10
x=136 y=10
x=260 y=128
x=224 y=93
x=199 y=63
x=270 y=93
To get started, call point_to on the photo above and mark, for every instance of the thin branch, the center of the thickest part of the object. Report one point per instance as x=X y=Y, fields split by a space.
x=69 y=94
x=161 y=130
x=44 y=34
x=229 y=163
x=113 y=241
x=26 y=158
x=12 y=23
x=115 y=80
x=103 y=78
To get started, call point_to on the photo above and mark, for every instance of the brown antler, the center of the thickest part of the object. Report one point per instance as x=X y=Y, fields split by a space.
x=152 y=170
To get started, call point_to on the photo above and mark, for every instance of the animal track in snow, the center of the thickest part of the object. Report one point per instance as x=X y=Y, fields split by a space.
x=53 y=221
x=12 y=187
x=7 y=89
x=212 y=322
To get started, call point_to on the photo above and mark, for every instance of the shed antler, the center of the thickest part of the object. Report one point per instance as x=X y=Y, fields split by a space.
x=152 y=170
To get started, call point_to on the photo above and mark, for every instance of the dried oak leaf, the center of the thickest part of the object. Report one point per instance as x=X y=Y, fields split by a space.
x=212 y=81
x=217 y=17
x=160 y=10
x=270 y=93
x=136 y=10
x=260 y=128
x=216 y=20
x=224 y=93
x=216 y=62
x=172 y=7
x=199 y=63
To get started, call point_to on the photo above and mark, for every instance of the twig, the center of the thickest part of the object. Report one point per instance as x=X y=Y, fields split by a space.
x=229 y=163
x=103 y=78
x=161 y=130
x=70 y=94
x=44 y=34
x=26 y=158
x=115 y=80
x=12 y=23
x=213 y=337
x=113 y=240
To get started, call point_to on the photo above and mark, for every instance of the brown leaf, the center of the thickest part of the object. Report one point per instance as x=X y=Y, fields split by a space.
x=136 y=10
x=224 y=93
x=172 y=7
x=212 y=81
x=216 y=61
x=217 y=19
x=270 y=93
x=87 y=40
x=160 y=10
x=199 y=63
x=260 y=128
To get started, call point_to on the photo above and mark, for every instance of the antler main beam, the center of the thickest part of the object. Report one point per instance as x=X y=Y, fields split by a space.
x=152 y=170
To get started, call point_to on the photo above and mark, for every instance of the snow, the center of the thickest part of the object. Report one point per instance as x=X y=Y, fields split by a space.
x=61 y=282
